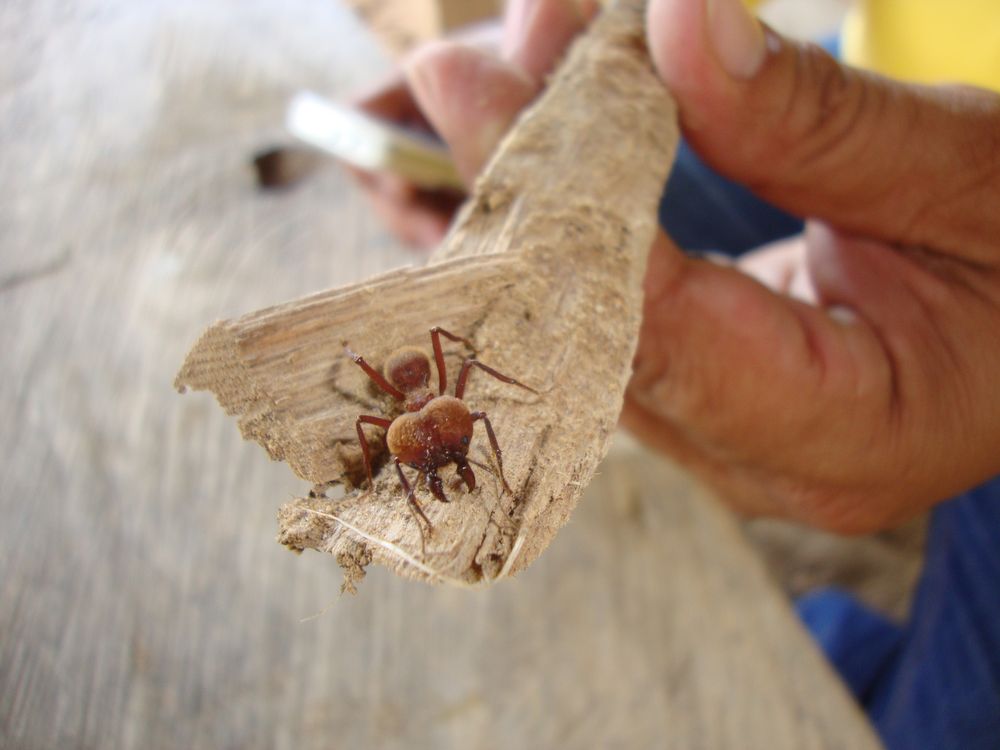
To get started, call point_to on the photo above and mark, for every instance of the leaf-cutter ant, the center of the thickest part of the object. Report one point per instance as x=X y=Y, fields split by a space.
x=435 y=429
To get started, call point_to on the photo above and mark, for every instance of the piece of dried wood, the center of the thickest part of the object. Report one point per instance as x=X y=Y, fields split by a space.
x=542 y=272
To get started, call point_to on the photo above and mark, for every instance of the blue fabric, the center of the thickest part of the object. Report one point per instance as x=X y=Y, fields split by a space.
x=703 y=211
x=942 y=689
x=840 y=623
x=932 y=683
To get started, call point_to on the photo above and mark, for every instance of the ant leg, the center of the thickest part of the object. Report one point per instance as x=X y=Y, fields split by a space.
x=463 y=376
x=497 y=453
x=411 y=498
x=436 y=333
x=375 y=375
x=378 y=422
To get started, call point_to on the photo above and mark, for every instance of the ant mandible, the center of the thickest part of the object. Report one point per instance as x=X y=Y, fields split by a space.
x=435 y=429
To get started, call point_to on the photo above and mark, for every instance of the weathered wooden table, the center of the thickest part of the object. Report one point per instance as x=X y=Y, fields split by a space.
x=143 y=601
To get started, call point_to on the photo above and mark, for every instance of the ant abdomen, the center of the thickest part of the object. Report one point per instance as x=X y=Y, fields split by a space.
x=408 y=369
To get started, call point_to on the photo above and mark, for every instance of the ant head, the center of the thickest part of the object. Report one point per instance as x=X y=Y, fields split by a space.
x=408 y=369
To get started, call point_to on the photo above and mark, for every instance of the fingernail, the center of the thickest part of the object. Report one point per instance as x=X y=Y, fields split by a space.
x=737 y=36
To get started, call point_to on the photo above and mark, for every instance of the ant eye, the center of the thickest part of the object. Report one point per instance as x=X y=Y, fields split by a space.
x=465 y=439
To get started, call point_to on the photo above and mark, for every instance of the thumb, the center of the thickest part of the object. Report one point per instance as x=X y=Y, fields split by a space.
x=872 y=156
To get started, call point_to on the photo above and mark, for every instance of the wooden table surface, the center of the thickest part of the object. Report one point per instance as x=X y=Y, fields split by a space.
x=143 y=600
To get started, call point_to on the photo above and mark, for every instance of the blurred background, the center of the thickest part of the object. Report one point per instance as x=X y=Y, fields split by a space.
x=143 y=599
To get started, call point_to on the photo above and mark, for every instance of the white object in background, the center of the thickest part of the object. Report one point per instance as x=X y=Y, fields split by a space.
x=368 y=143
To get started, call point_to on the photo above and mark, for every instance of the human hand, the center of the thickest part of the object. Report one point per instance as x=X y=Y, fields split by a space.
x=857 y=384
x=467 y=89
x=846 y=380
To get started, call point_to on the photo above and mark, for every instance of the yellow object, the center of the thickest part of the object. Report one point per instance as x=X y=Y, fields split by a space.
x=929 y=41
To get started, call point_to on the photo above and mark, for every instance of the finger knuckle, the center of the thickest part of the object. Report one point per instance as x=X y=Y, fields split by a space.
x=828 y=107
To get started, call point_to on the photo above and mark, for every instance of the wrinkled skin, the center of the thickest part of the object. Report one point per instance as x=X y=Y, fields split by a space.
x=848 y=378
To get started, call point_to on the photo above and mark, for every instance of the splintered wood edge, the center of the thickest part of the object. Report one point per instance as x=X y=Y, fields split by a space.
x=569 y=204
x=228 y=359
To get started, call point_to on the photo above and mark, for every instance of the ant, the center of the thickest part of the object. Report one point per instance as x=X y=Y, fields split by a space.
x=435 y=429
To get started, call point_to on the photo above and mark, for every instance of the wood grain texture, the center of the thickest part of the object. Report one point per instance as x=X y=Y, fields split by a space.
x=542 y=272
x=143 y=601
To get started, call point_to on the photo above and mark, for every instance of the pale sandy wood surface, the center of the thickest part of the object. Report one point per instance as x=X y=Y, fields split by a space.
x=143 y=600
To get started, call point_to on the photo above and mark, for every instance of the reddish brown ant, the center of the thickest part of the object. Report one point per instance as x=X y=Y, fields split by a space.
x=435 y=429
